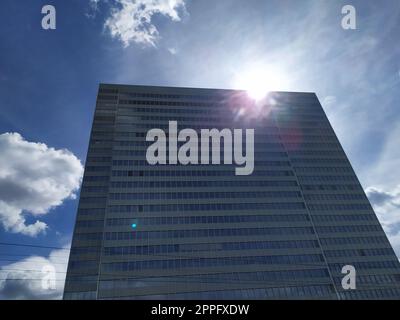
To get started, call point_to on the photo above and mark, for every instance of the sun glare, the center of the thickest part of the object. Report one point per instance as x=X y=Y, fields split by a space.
x=260 y=79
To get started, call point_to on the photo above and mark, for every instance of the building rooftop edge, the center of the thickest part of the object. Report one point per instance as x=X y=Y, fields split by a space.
x=102 y=84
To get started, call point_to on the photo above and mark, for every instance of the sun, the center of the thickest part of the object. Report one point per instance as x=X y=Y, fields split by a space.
x=259 y=79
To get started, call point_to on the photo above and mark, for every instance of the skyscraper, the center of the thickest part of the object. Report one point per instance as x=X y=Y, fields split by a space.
x=199 y=231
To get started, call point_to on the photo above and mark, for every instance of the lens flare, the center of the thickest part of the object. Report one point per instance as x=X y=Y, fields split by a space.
x=260 y=79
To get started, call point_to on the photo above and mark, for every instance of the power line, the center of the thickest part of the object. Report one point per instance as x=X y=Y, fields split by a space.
x=148 y=254
x=317 y=264
x=125 y=276
x=27 y=270
x=25 y=255
x=32 y=260
x=311 y=264
x=161 y=255
x=32 y=246
x=191 y=278
x=321 y=264
x=270 y=284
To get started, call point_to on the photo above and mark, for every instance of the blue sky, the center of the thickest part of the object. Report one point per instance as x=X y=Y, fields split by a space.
x=49 y=81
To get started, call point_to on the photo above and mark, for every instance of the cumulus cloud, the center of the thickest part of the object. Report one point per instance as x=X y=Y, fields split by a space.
x=387 y=206
x=132 y=20
x=33 y=179
x=35 y=278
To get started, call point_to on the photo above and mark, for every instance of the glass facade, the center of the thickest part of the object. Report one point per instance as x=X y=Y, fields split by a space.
x=201 y=232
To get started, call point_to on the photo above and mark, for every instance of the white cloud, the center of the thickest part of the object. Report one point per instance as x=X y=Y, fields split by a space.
x=131 y=20
x=24 y=279
x=33 y=179
x=387 y=207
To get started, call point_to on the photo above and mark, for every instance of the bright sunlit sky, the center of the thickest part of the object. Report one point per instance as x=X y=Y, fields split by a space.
x=49 y=81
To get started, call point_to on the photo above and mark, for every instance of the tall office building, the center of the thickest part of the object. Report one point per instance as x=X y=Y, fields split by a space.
x=201 y=232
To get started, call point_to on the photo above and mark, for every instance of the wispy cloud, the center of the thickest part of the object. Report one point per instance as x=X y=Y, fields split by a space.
x=33 y=179
x=387 y=207
x=93 y=8
x=172 y=51
x=329 y=101
x=385 y=171
x=131 y=21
